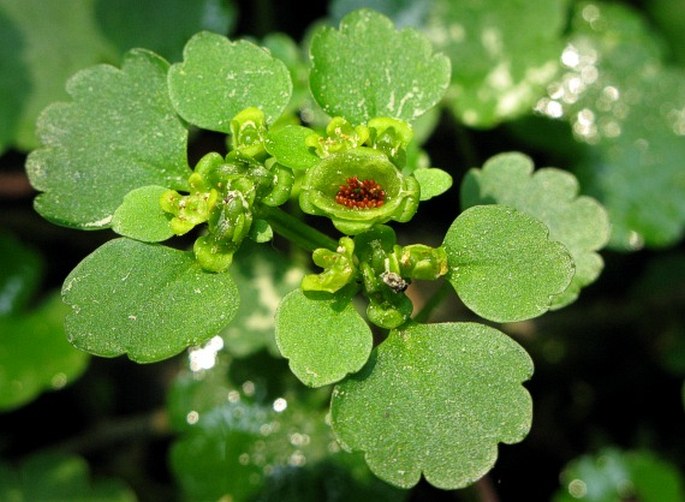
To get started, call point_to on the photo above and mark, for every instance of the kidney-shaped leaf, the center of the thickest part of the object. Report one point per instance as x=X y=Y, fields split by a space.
x=119 y=133
x=435 y=399
x=323 y=338
x=551 y=196
x=219 y=78
x=145 y=300
x=369 y=69
x=503 y=265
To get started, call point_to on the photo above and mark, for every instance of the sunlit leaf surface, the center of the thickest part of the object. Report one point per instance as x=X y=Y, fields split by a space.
x=503 y=264
x=324 y=338
x=219 y=78
x=551 y=196
x=367 y=69
x=118 y=133
x=435 y=400
x=144 y=300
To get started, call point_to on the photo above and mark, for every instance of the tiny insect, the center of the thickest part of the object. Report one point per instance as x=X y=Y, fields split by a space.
x=394 y=281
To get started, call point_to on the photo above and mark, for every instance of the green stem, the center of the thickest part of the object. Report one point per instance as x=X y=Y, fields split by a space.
x=433 y=302
x=295 y=230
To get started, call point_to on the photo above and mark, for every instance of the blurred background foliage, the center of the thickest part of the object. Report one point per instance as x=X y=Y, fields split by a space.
x=597 y=88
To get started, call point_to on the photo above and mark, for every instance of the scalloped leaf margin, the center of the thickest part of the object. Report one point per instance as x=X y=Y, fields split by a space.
x=435 y=399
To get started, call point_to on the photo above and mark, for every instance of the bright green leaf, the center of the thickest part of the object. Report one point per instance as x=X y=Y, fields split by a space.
x=614 y=475
x=145 y=300
x=503 y=54
x=162 y=26
x=503 y=265
x=433 y=182
x=368 y=69
x=141 y=217
x=551 y=196
x=435 y=400
x=35 y=355
x=119 y=133
x=324 y=338
x=287 y=144
x=19 y=276
x=42 y=44
x=219 y=78
x=53 y=476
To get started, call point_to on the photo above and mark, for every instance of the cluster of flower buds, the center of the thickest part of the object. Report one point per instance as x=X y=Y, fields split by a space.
x=373 y=263
x=224 y=191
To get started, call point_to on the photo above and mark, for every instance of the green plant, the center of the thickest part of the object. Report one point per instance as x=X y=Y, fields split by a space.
x=417 y=398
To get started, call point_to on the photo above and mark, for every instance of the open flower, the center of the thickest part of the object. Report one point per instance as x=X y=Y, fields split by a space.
x=357 y=189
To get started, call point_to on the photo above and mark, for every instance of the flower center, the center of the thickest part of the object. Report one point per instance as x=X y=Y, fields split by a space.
x=360 y=194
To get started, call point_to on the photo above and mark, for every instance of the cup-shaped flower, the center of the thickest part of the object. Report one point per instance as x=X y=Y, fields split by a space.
x=357 y=189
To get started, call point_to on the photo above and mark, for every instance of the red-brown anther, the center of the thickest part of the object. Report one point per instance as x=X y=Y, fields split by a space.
x=364 y=194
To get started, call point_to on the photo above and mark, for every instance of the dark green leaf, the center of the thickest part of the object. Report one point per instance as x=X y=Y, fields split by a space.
x=435 y=400
x=261 y=436
x=52 y=476
x=141 y=217
x=368 y=69
x=263 y=276
x=35 y=355
x=503 y=265
x=147 y=301
x=119 y=133
x=19 y=276
x=503 y=54
x=234 y=447
x=15 y=78
x=219 y=78
x=402 y=12
x=42 y=44
x=162 y=26
x=551 y=196
x=324 y=338
x=670 y=18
